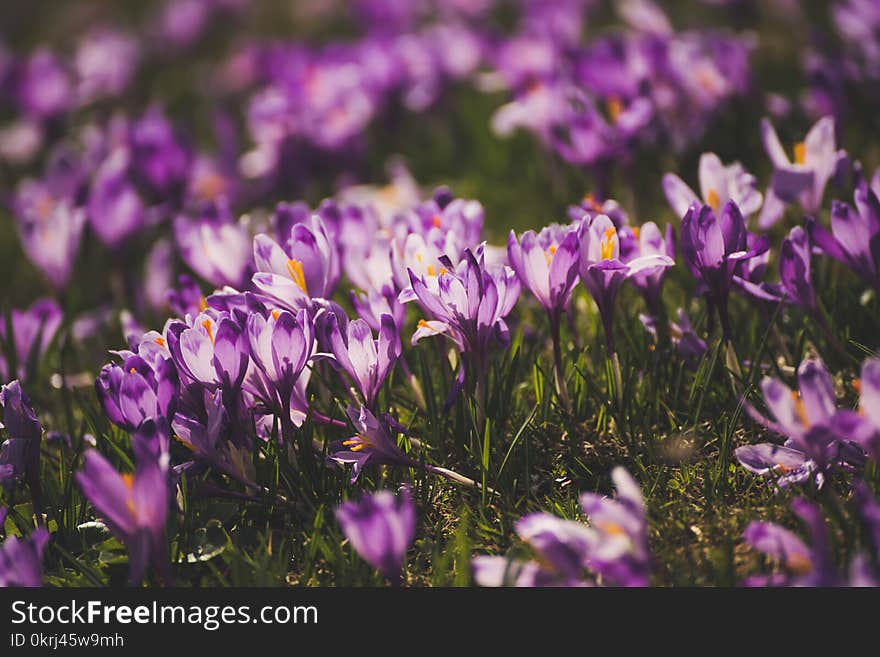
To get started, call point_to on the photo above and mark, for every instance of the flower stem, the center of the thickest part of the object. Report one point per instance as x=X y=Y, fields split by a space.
x=558 y=372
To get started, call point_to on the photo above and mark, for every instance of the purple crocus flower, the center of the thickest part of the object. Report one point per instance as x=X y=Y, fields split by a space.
x=712 y=246
x=804 y=565
x=20 y=453
x=804 y=179
x=854 y=238
x=212 y=351
x=367 y=361
x=158 y=158
x=21 y=559
x=613 y=548
x=381 y=528
x=687 y=343
x=134 y=506
x=373 y=443
x=869 y=408
x=142 y=390
x=115 y=209
x=213 y=245
x=51 y=228
x=602 y=270
x=647 y=240
x=818 y=435
x=44 y=87
x=306 y=267
x=281 y=347
x=468 y=304
x=105 y=61
x=795 y=270
x=205 y=439
x=33 y=330
x=620 y=556
x=719 y=183
x=547 y=264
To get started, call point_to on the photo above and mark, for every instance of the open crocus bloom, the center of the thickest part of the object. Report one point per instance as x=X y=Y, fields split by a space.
x=212 y=351
x=602 y=270
x=719 y=183
x=802 y=179
x=213 y=245
x=373 y=443
x=546 y=263
x=306 y=267
x=818 y=435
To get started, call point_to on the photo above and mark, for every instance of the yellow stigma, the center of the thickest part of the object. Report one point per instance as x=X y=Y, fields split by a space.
x=550 y=253
x=132 y=371
x=432 y=270
x=436 y=221
x=800 y=409
x=203 y=304
x=275 y=315
x=295 y=269
x=713 y=200
x=615 y=108
x=607 y=244
x=800 y=153
x=207 y=325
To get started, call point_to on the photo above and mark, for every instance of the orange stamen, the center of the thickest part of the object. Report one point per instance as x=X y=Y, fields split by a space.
x=615 y=108
x=432 y=270
x=159 y=341
x=207 y=325
x=203 y=304
x=436 y=221
x=800 y=153
x=275 y=315
x=713 y=200
x=295 y=269
x=607 y=245
x=800 y=409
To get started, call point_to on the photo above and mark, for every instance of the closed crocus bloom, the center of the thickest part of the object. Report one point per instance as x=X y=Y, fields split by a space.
x=214 y=245
x=212 y=351
x=44 y=88
x=546 y=263
x=133 y=505
x=21 y=559
x=381 y=528
x=51 y=230
x=33 y=330
x=602 y=271
x=138 y=390
x=281 y=346
x=854 y=239
x=795 y=270
x=719 y=183
x=115 y=209
x=804 y=178
x=306 y=267
x=647 y=240
x=20 y=452
x=712 y=246
x=367 y=361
